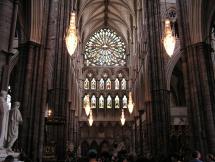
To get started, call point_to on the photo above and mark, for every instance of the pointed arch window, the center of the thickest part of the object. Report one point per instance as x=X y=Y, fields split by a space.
x=93 y=83
x=125 y=102
x=117 y=84
x=101 y=84
x=117 y=102
x=93 y=102
x=101 y=102
x=109 y=102
x=105 y=48
x=86 y=84
x=123 y=84
x=108 y=84
x=85 y=100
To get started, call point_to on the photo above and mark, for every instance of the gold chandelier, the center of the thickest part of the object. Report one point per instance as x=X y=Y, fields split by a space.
x=90 y=119
x=169 y=39
x=122 y=118
x=87 y=105
x=130 y=103
x=71 y=35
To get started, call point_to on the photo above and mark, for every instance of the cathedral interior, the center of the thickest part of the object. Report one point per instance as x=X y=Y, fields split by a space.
x=137 y=75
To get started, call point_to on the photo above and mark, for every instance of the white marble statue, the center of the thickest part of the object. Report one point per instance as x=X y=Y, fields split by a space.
x=4 y=112
x=15 y=118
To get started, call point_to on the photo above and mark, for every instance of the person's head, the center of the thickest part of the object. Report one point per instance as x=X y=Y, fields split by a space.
x=196 y=155
x=210 y=157
x=3 y=94
x=92 y=155
x=16 y=104
x=9 y=158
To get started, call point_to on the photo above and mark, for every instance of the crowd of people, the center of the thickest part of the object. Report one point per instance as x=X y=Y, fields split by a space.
x=122 y=156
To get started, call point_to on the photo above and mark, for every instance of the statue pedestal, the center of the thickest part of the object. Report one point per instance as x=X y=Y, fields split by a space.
x=5 y=153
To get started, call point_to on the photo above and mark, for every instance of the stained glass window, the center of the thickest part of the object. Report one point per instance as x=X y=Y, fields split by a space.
x=125 y=102
x=101 y=102
x=108 y=84
x=123 y=84
x=86 y=84
x=105 y=48
x=85 y=100
x=117 y=102
x=101 y=84
x=93 y=102
x=117 y=84
x=93 y=83
x=109 y=102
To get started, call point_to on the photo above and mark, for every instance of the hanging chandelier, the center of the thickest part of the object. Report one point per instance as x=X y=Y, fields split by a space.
x=87 y=105
x=130 y=103
x=71 y=35
x=122 y=118
x=90 y=119
x=169 y=39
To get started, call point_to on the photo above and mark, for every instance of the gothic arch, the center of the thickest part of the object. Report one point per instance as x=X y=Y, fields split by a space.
x=171 y=64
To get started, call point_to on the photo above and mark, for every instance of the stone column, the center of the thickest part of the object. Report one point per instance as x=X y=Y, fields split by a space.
x=8 y=17
x=157 y=105
x=199 y=83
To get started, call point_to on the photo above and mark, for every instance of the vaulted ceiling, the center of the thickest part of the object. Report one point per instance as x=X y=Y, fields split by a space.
x=116 y=14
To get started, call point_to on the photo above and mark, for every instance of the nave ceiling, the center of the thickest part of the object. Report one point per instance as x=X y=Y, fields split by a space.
x=116 y=14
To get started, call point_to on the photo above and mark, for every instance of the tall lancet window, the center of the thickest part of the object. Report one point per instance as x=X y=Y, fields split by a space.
x=109 y=102
x=117 y=105
x=117 y=84
x=101 y=102
x=123 y=84
x=108 y=84
x=85 y=100
x=101 y=84
x=93 y=83
x=86 y=84
x=125 y=102
x=93 y=102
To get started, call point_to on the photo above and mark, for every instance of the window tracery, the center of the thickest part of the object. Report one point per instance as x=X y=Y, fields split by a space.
x=105 y=48
x=108 y=84
x=93 y=83
x=123 y=84
x=117 y=84
x=117 y=105
x=86 y=84
x=125 y=102
x=109 y=102
x=93 y=102
x=101 y=84
x=101 y=102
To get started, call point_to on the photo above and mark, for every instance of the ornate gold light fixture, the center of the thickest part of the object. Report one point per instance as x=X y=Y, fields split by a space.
x=122 y=118
x=130 y=103
x=87 y=105
x=169 y=39
x=90 y=119
x=71 y=35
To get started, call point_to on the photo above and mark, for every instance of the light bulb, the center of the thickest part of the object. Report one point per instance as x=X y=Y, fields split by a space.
x=169 y=40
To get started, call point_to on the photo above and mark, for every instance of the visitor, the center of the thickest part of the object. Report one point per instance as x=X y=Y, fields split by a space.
x=92 y=155
x=210 y=158
x=196 y=156
x=9 y=158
